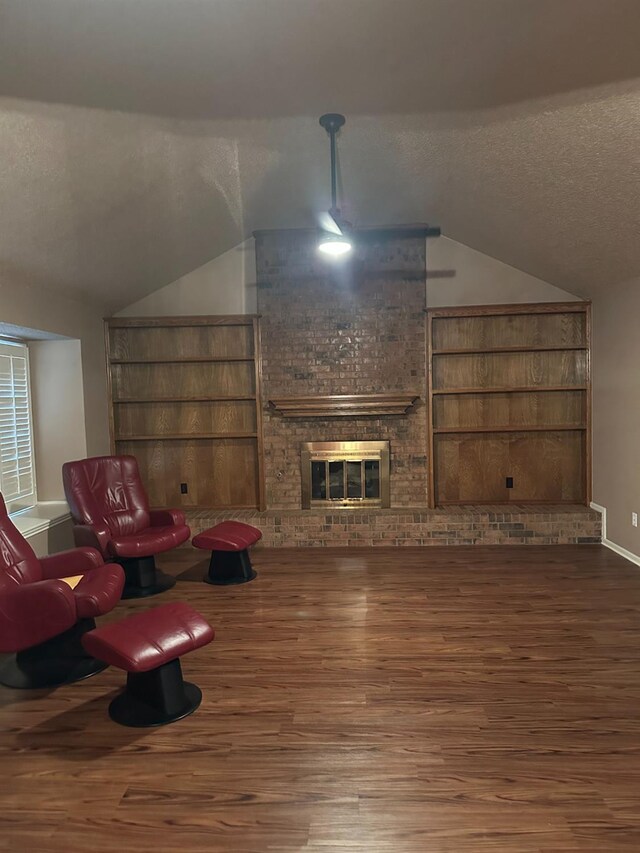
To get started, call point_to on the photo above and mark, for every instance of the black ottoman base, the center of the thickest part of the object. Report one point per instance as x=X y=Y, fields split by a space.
x=61 y=660
x=143 y=579
x=155 y=698
x=230 y=567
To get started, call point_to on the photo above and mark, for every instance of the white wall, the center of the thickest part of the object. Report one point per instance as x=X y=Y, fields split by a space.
x=616 y=410
x=58 y=411
x=35 y=308
x=458 y=275
x=57 y=538
x=76 y=424
x=225 y=285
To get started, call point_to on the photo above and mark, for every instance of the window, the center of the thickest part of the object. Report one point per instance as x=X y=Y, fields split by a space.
x=17 y=476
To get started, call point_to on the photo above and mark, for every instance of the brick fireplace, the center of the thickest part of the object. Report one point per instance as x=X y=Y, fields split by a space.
x=342 y=329
x=334 y=332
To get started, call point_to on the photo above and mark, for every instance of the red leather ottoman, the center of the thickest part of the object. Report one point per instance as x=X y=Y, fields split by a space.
x=229 y=543
x=148 y=647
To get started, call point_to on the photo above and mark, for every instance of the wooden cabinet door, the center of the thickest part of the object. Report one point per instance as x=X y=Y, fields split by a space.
x=545 y=467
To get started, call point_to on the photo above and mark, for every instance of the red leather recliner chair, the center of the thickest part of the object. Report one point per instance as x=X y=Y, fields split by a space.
x=42 y=619
x=111 y=512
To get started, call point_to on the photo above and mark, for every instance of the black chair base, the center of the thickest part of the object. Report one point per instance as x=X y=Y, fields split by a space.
x=61 y=660
x=143 y=579
x=230 y=567
x=155 y=698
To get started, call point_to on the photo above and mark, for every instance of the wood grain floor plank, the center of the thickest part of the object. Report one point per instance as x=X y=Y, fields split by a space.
x=450 y=700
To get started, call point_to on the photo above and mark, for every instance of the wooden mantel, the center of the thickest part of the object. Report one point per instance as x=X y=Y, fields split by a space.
x=345 y=405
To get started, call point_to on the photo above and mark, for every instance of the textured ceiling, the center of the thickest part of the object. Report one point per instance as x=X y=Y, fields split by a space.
x=140 y=139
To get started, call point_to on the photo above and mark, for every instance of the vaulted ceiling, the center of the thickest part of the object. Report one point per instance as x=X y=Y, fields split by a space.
x=141 y=138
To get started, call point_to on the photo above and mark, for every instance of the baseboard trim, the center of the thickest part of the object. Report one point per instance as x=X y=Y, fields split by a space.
x=618 y=549
x=603 y=512
x=622 y=551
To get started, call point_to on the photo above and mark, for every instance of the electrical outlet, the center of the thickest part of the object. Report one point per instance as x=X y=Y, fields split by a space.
x=184 y=489
x=634 y=519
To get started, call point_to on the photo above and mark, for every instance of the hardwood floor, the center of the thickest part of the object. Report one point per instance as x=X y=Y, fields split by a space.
x=436 y=699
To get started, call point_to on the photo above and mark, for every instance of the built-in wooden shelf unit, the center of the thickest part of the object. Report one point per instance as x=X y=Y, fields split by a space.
x=185 y=401
x=509 y=397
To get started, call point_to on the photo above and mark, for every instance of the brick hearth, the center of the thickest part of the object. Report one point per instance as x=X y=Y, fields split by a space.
x=465 y=525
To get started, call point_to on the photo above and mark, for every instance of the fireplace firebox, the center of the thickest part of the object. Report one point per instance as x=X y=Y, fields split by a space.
x=347 y=474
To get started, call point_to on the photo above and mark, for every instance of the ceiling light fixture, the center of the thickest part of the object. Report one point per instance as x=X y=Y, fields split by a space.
x=335 y=243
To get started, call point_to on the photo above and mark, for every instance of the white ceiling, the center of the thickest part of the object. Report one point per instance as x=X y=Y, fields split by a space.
x=140 y=139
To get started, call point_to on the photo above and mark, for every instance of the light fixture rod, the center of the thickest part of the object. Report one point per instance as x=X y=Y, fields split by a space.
x=332 y=122
x=334 y=190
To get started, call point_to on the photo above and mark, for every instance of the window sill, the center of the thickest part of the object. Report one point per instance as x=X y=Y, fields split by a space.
x=43 y=516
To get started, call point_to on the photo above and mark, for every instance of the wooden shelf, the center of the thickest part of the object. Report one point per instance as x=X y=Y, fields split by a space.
x=196 y=359
x=537 y=434
x=523 y=389
x=524 y=428
x=345 y=405
x=181 y=322
x=183 y=419
x=483 y=350
x=195 y=399
x=186 y=436
x=529 y=309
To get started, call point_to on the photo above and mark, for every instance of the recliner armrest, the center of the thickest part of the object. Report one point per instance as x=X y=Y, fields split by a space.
x=166 y=517
x=77 y=561
x=35 y=612
x=86 y=536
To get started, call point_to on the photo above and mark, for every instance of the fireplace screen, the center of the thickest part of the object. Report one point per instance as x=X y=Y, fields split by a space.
x=345 y=473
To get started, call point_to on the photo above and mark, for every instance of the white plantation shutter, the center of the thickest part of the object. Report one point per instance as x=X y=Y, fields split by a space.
x=17 y=478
